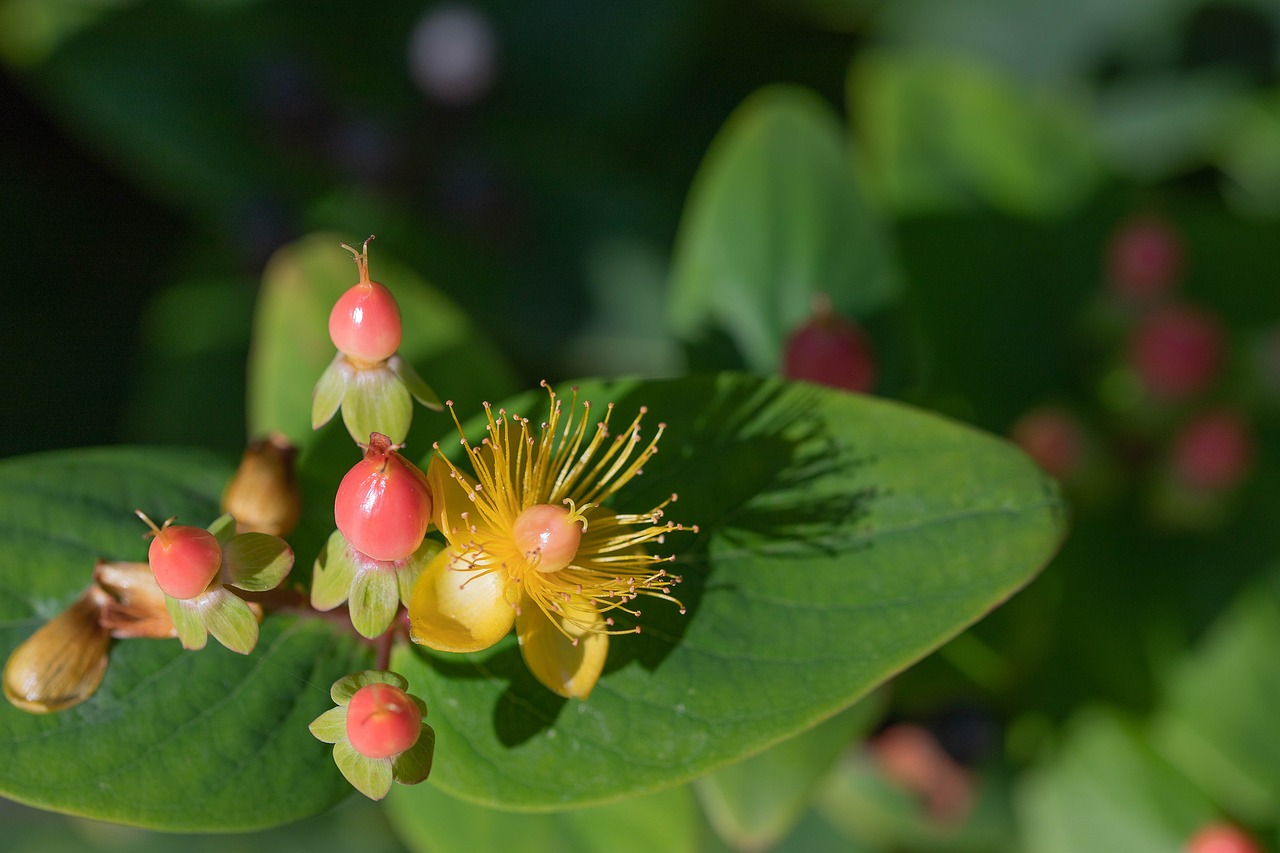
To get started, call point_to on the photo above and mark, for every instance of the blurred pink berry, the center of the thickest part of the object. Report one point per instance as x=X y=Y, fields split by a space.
x=1222 y=838
x=1144 y=259
x=830 y=350
x=1177 y=352
x=1213 y=451
x=1051 y=436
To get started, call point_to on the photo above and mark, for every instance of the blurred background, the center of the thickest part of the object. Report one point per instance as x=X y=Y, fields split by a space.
x=1067 y=213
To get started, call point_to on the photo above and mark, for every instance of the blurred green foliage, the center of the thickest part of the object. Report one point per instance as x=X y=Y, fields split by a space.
x=157 y=153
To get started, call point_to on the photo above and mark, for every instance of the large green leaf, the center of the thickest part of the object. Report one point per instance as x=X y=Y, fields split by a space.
x=1106 y=791
x=176 y=740
x=1218 y=724
x=940 y=133
x=776 y=215
x=843 y=538
x=755 y=803
x=430 y=820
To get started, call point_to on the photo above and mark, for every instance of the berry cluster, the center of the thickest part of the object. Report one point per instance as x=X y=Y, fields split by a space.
x=1166 y=417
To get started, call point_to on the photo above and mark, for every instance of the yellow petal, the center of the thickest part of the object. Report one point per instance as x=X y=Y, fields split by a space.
x=450 y=499
x=563 y=667
x=63 y=662
x=455 y=608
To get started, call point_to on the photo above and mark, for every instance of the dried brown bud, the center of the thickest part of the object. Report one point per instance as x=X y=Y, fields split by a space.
x=135 y=605
x=63 y=662
x=263 y=495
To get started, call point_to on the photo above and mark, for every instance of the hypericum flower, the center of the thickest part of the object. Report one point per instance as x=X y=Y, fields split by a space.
x=372 y=384
x=199 y=565
x=531 y=544
x=378 y=732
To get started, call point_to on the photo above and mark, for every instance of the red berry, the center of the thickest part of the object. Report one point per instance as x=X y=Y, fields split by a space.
x=1144 y=259
x=1213 y=451
x=383 y=506
x=1221 y=838
x=1176 y=352
x=185 y=560
x=1053 y=438
x=830 y=350
x=382 y=721
x=365 y=321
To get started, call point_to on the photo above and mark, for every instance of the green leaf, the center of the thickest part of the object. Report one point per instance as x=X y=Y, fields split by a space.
x=330 y=390
x=940 y=133
x=843 y=538
x=776 y=215
x=344 y=688
x=175 y=740
x=229 y=620
x=375 y=598
x=421 y=391
x=1108 y=792
x=187 y=621
x=1218 y=722
x=369 y=776
x=431 y=821
x=257 y=561
x=335 y=569
x=291 y=346
x=755 y=803
x=414 y=764
x=223 y=529
x=331 y=726
x=377 y=401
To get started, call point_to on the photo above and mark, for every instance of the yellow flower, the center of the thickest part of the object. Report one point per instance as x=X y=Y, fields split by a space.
x=531 y=544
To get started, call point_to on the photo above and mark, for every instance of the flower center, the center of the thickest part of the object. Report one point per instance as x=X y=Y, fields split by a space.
x=548 y=536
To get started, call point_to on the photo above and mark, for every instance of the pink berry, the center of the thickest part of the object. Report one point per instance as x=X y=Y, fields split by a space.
x=383 y=506
x=185 y=560
x=1144 y=259
x=365 y=321
x=1221 y=838
x=382 y=721
x=830 y=350
x=1214 y=451
x=1176 y=352
x=1053 y=438
x=548 y=536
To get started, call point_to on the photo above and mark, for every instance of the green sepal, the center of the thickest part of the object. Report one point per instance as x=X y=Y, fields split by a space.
x=331 y=726
x=375 y=598
x=407 y=574
x=256 y=561
x=230 y=619
x=377 y=401
x=344 y=688
x=223 y=529
x=414 y=764
x=187 y=622
x=416 y=386
x=334 y=571
x=330 y=391
x=369 y=776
